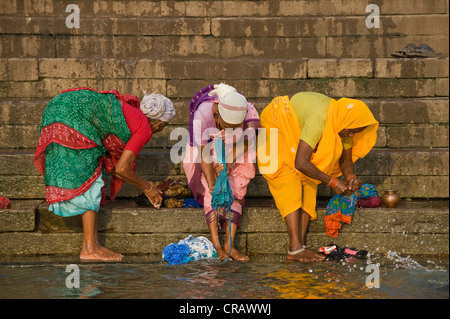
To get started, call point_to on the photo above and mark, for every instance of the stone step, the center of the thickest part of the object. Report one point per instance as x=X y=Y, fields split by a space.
x=13 y=69
x=379 y=162
x=395 y=136
x=200 y=46
x=130 y=229
x=415 y=173
x=220 y=8
x=385 y=111
x=352 y=87
x=230 y=27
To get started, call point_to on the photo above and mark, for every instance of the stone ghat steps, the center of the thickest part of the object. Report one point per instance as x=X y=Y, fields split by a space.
x=221 y=8
x=262 y=78
x=388 y=111
x=220 y=29
x=415 y=173
x=404 y=123
x=392 y=25
x=195 y=46
x=411 y=228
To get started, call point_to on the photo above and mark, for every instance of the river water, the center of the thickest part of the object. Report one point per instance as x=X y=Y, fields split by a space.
x=379 y=277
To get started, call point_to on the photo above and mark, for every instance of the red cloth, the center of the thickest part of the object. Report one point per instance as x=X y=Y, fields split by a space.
x=369 y=202
x=141 y=131
x=5 y=203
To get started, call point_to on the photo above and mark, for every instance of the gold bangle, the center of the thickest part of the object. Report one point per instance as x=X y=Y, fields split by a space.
x=149 y=189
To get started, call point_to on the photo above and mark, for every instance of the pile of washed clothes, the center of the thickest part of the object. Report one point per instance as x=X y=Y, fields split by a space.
x=190 y=248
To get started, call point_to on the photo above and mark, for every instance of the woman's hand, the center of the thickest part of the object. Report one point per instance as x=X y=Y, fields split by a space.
x=219 y=167
x=154 y=195
x=353 y=183
x=341 y=189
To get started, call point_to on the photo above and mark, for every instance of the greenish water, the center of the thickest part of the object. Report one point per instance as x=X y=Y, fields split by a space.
x=399 y=277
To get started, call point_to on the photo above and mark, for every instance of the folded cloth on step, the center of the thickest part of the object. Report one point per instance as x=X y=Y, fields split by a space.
x=191 y=203
x=222 y=196
x=5 y=202
x=189 y=248
x=340 y=208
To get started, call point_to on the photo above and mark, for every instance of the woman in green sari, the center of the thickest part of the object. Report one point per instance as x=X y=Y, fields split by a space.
x=83 y=132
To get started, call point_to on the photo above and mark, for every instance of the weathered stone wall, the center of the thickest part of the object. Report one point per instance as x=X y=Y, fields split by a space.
x=263 y=48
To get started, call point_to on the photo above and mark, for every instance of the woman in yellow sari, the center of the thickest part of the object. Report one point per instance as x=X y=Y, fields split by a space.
x=311 y=139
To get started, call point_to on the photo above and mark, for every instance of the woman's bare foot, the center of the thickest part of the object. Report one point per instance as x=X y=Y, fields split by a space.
x=236 y=255
x=305 y=255
x=98 y=253
x=106 y=250
x=221 y=254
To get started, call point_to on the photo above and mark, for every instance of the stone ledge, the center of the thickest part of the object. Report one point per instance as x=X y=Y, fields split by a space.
x=229 y=27
x=386 y=111
x=21 y=217
x=393 y=136
x=411 y=228
x=202 y=46
x=25 y=244
x=26 y=187
x=261 y=216
x=219 y=8
x=235 y=68
x=155 y=161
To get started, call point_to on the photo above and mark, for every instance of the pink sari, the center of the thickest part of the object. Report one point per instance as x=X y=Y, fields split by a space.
x=241 y=172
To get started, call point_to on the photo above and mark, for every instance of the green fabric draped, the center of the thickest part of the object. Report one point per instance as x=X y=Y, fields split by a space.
x=93 y=114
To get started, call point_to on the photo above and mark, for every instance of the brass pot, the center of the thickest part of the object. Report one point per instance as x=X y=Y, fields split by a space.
x=390 y=198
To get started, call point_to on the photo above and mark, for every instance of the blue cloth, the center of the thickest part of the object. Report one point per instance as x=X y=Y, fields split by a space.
x=346 y=204
x=177 y=254
x=222 y=195
x=89 y=200
x=191 y=203
x=188 y=249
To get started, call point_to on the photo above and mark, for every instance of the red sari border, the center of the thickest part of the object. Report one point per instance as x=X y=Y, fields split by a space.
x=69 y=137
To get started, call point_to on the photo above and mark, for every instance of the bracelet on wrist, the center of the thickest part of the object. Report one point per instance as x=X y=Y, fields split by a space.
x=333 y=182
x=149 y=189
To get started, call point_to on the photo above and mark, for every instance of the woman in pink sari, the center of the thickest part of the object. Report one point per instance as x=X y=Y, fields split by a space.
x=218 y=111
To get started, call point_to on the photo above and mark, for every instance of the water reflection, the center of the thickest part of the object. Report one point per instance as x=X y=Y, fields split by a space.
x=400 y=278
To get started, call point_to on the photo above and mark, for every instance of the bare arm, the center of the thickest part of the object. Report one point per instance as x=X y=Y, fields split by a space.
x=124 y=171
x=207 y=168
x=304 y=165
x=347 y=168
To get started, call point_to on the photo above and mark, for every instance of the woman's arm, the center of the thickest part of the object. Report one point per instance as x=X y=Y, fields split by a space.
x=304 y=165
x=124 y=171
x=207 y=168
x=347 y=168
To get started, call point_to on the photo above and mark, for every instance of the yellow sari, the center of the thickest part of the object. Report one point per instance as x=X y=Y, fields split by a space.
x=290 y=188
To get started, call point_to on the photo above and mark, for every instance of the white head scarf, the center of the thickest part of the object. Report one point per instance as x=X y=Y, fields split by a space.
x=233 y=106
x=157 y=107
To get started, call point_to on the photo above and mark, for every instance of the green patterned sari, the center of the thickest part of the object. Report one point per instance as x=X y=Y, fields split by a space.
x=82 y=131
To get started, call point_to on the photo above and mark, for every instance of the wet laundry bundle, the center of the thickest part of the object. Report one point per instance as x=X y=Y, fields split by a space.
x=340 y=208
x=334 y=252
x=190 y=248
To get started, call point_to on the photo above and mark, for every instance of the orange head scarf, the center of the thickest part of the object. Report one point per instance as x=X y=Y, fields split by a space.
x=345 y=114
